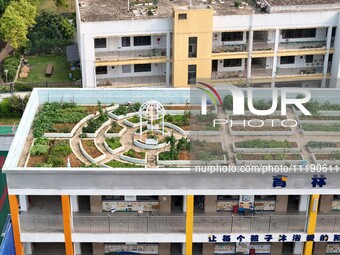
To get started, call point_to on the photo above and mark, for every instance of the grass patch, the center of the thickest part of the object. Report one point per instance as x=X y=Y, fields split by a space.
x=48 y=5
x=38 y=64
x=10 y=121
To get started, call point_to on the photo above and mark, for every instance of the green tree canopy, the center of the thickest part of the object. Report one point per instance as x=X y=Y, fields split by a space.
x=3 y=5
x=60 y=4
x=50 y=31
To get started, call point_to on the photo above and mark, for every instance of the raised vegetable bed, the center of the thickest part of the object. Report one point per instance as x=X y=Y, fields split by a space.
x=90 y=150
x=135 y=157
x=113 y=145
x=265 y=146
x=318 y=129
x=120 y=164
x=321 y=146
x=260 y=131
x=115 y=130
x=268 y=158
x=327 y=158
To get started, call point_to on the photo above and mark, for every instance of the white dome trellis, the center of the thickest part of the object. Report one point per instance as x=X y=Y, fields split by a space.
x=151 y=111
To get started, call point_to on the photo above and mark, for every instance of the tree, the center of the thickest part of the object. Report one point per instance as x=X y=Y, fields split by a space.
x=17 y=19
x=60 y=4
x=3 y=5
x=50 y=33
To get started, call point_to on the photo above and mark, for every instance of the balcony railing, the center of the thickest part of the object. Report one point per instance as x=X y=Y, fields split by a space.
x=328 y=223
x=132 y=81
x=302 y=45
x=166 y=224
x=129 y=54
x=41 y=223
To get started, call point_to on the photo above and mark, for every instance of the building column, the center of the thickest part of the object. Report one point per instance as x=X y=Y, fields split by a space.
x=250 y=48
x=14 y=208
x=313 y=213
x=74 y=204
x=298 y=247
x=164 y=249
x=276 y=248
x=325 y=62
x=281 y=203
x=208 y=248
x=66 y=209
x=28 y=248
x=276 y=48
x=98 y=248
x=96 y=204
x=77 y=248
x=210 y=204
x=303 y=203
x=23 y=200
x=184 y=203
x=326 y=203
x=168 y=54
x=165 y=204
x=189 y=224
x=183 y=248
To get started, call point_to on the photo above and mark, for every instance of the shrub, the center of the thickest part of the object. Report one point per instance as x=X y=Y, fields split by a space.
x=94 y=124
x=134 y=119
x=11 y=64
x=125 y=109
x=237 y=3
x=13 y=107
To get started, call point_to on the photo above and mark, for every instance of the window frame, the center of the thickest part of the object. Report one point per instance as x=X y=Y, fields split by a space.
x=192 y=47
x=192 y=72
x=239 y=61
x=231 y=36
x=98 y=45
x=288 y=62
x=142 y=68
x=145 y=40
x=309 y=59
x=124 y=41
x=101 y=72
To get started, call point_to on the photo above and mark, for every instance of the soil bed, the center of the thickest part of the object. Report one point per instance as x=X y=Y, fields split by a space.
x=91 y=148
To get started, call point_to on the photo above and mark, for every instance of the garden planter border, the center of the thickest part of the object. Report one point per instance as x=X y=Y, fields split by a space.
x=29 y=153
x=87 y=156
x=115 y=135
x=326 y=161
x=268 y=162
x=113 y=151
x=134 y=125
x=266 y=150
x=73 y=131
x=190 y=162
x=329 y=113
x=142 y=145
x=120 y=117
x=323 y=133
x=95 y=134
x=134 y=160
x=204 y=133
x=322 y=150
x=181 y=112
x=260 y=133
x=106 y=166
x=328 y=122
x=176 y=128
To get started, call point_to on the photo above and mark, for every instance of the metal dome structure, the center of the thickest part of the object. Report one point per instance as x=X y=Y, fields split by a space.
x=151 y=111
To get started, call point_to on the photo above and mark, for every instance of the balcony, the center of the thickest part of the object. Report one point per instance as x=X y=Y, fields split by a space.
x=166 y=224
x=302 y=48
x=230 y=51
x=129 y=56
x=328 y=223
x=132 y=81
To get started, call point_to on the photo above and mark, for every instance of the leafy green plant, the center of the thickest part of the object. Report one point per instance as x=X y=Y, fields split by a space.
x=318 y=127
x=134 y=119
x=259 y=143
x=125 y=109
x=240 y=156
x=321 y=145
x=39 y=149
x=94 y=124
x=119 y=164
x=135 y=154
x=267 y=157
x=113 y=142
x=115 y=128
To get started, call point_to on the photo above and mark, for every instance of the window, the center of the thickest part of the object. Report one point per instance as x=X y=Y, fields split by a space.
x=126 y=68
x=298 y=33
x=125 y=41
x=192 y=47
x=333 y=31
x=265 y=197
x=146 y=198
x=141 y=40
x=191 y=74
x=101 y=70
x=232 y=62
x=309 y=58
x=232 y=36
x=119 y=198
x=182 y=16
x=228 y=197
x=100 y=43
x=287 y=60
x=330 y=58
x=140 y=68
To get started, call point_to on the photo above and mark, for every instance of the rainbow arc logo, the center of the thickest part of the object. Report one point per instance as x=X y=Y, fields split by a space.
x=211 y=92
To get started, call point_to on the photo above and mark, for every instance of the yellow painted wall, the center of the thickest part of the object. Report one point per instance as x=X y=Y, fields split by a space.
x=199 y=23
